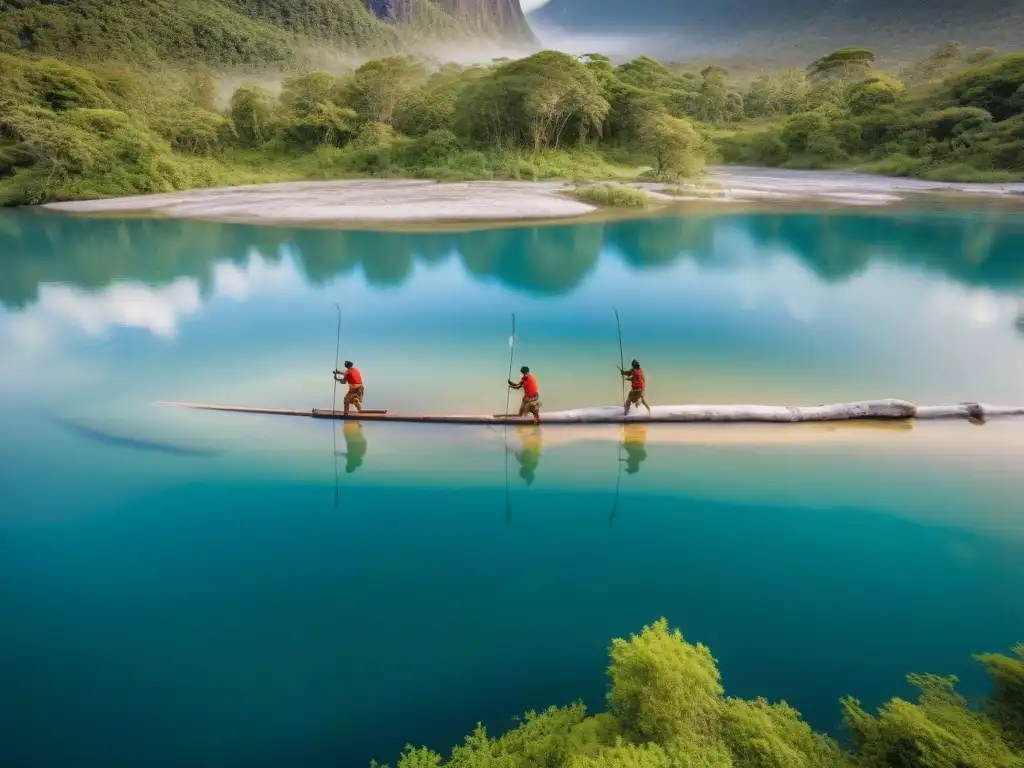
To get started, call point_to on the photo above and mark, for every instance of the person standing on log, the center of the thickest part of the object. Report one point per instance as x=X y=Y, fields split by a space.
x=637 y=383
x=531 y=394
x=354 y=379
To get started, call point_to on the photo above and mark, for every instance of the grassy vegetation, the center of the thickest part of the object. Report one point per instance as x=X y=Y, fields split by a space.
x=86 y=130
x=612 y=195
x=235 y=34
x=666 y=708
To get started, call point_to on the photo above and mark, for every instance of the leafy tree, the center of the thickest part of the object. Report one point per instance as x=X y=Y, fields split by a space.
x=1006 y=706
x=201 y=87
x=673 y=146
x=938 y=730
x=193 y=131
x=774 y=95
x=764 y=735
x=432 y=106
x=380 y=85
x=845 y=63
x=252 y=112
x=664 y=689
x=544 y=100
x=874 y=92
x=667 y=710
x=938 y=64
x=996 y=87
x=716 y=101
x=624 y=755
x=303 y=94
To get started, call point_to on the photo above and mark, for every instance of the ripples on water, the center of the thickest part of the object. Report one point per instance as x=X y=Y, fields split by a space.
x=202 y=588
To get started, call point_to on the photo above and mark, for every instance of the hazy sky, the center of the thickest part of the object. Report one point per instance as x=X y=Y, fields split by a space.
x=532 y=5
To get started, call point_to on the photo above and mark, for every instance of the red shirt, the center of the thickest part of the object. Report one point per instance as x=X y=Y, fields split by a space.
x=354 y=378
x=636 y=378
x=530 y=388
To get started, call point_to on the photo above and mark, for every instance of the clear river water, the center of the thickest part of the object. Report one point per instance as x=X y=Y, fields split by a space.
x=192 y=588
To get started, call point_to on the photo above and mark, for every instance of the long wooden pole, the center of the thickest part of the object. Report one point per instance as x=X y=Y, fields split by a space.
x=622 y=360
x=337 y=350
x=508 y=393
x=334 y=402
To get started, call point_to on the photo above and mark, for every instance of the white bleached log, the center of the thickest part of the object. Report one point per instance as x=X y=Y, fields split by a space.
x=612 y=414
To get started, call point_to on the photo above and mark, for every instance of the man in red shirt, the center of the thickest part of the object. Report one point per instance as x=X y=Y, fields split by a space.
x=531 y=394
x=637 y=382
x=354 y=379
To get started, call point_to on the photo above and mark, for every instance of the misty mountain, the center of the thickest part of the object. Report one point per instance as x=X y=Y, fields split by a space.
x=898 y=28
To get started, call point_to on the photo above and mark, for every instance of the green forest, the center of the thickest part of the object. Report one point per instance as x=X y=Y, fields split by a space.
x=666 y=708
x=105 y=118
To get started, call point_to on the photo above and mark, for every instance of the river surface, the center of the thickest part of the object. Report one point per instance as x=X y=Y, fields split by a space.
x=191 y=588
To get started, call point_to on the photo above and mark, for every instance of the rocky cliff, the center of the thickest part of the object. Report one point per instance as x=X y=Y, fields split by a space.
x=502 y=16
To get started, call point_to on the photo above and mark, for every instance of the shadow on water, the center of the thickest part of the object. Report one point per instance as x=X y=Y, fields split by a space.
x=122 y=441
x=977 y=249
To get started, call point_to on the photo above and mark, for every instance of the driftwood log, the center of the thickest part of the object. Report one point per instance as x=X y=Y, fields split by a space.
x=889 y=410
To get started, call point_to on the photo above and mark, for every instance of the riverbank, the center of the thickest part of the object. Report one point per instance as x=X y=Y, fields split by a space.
x=397 y=202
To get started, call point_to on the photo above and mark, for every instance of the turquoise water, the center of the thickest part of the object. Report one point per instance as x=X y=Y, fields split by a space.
x=197 y=588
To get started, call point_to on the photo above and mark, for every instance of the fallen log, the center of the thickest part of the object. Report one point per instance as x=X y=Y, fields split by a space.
x=891 y=410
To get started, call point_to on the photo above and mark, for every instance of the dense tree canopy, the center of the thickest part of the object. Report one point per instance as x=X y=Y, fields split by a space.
x=954 y=114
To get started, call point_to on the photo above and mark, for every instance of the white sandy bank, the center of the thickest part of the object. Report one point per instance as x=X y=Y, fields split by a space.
x=398 y=201
x=353 y=201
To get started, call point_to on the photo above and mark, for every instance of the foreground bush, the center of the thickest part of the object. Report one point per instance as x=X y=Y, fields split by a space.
x=667 y=709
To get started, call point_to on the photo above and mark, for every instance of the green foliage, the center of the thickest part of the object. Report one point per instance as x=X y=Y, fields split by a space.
x=663 y=688
x=843 y=63
x=1006 y=705
x=625 y=755
x=549 y=99
x=996 y=87
x=673 y=146
x=937 y=731
x=940 y=63
x=612 y=195
x=252 y=112
x=783 y=94
x=874 y=92
x=379 y=86
x=764 y=735
x=952 y=115
x=85 y=152
x=667 y=710
x=221 y=33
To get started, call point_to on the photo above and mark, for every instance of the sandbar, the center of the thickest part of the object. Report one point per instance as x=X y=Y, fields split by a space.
x=405 y=201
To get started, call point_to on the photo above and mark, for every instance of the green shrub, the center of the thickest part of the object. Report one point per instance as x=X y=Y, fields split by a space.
x=612 y=195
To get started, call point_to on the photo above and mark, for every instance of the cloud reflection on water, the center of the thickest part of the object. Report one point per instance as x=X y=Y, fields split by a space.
x=767 y=301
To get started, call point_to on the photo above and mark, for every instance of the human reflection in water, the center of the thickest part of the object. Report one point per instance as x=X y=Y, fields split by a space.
x=634 y=441
x=355 y=446
x=529 y=457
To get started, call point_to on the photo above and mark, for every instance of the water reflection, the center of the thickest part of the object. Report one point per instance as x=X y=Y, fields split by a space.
x=355 y=446
x=529 y=456
x=734 y=308
x=634 y=443
x=979 y=249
